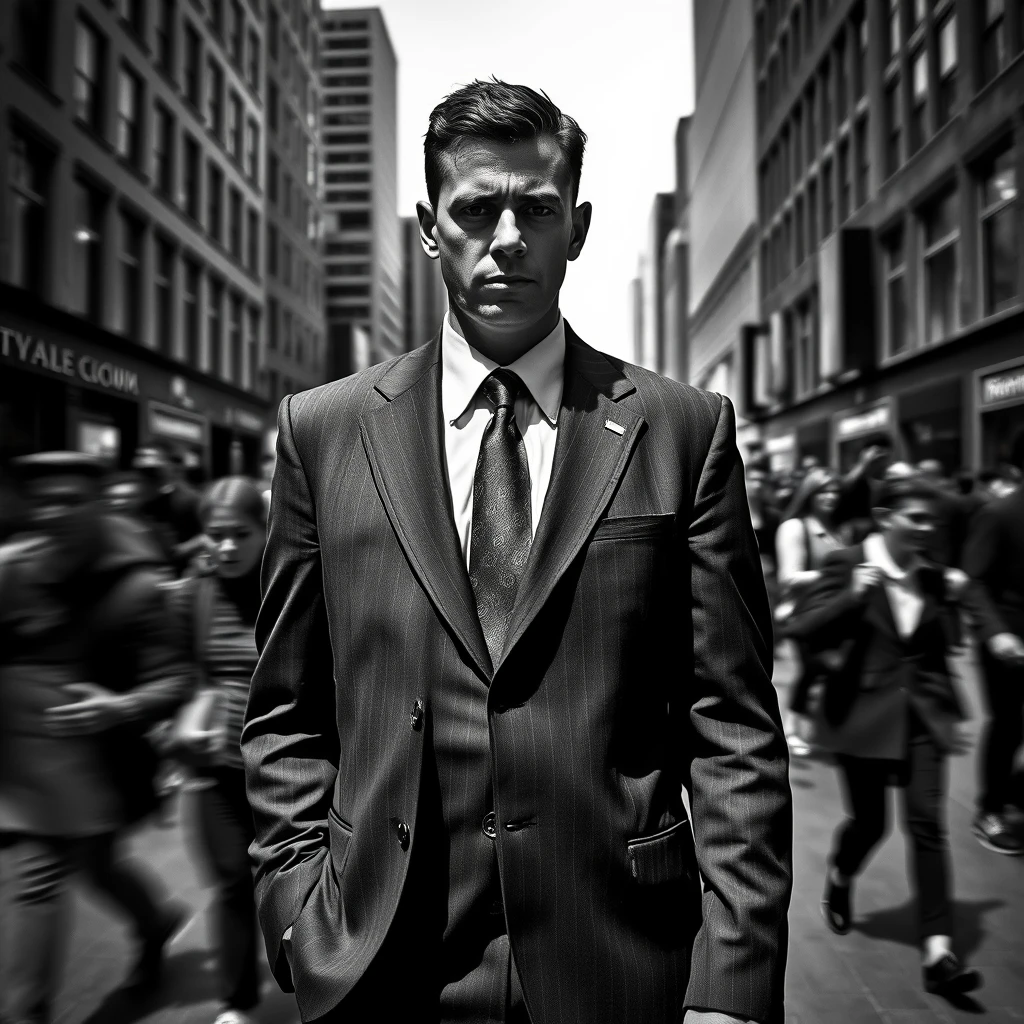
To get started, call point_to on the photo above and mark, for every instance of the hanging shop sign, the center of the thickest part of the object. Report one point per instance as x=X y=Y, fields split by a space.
x=860 y=424
x=1006 y=386
x=175 y=424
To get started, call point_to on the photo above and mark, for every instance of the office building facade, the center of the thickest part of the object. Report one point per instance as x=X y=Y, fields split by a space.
x=362 y=239
x=723 y=287
x=890 y=145
x=296 y=330
x=425 y=298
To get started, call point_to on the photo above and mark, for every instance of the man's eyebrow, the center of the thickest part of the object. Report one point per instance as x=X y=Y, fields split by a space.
x=469 y=193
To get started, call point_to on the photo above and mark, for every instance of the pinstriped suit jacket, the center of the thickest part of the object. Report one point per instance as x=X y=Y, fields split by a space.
x=637 y=663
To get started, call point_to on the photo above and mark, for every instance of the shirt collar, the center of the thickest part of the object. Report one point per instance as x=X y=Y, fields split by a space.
x=463 y=370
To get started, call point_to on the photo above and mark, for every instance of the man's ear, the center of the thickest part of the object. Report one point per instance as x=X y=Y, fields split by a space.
x=580 y=227
x=428 y=229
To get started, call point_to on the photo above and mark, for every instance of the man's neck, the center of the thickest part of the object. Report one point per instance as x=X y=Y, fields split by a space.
x=905 y=559
x=504 y=347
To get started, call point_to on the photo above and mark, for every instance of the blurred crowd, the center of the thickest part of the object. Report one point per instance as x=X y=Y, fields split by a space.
x=883 y=580
x=128 y=603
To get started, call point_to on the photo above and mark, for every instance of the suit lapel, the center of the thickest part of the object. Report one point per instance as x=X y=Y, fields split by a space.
x=588 y=464
x=403 y=443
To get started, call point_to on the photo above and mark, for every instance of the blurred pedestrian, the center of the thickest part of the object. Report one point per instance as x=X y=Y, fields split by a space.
x=222 y=607
x=994 y=559
x=875 y=627
x=169 y=502
x=861 y=485
x=806 y=536
x=88 y=660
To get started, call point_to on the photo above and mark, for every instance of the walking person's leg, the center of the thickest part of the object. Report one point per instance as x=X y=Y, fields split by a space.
x=35 y=877
x=226 y=829
x=924 y=800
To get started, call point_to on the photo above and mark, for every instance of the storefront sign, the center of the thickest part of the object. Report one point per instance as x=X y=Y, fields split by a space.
x=245 y=420
x=1002 y=387
x=779 y=445
x=166 y=421
x=874 y=421
x=66 y=361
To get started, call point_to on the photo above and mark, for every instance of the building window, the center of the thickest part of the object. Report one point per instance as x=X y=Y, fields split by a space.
x=845 y=181
x=272 y=173
x=860 y=54
x=812 y=215
x=811 y=106
x=863 y=158
x=214 y=327
x=215 y=10
x=286 y=334
x=236 y=33
x=286 y=264
x=234 y=133
x=214 y=201
x=839 y=60
x=940 y=224
x=88 y=88
x=130 y=261
x=252 y=339
x=798 y=230
x=272 y=307
x=895 y=292
x=893 y=127
x=129 y=95
x=286 y=190
x=253 y=67
x=191 y=183
x=895 y=29
x=32 y=37
x=163 y=296
x=235 y=223
x=190 y=312
x=193 y=48
x=827 y=200
x=29 y=170
x=163 y=150
x=273 y=105
x=993 y=39
x=947 y=69
x=253 y=236
x=130 y=13
x=273 y=32
x=807 y=348
x=235 y=336
x=998 y=181
x=271 y=250
x=252 y=151
x=214 y=99
x=163 y=30
x=87 y=251
x=919 y=102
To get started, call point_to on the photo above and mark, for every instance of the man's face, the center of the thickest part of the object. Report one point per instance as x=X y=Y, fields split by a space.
x=504 y=228
x=911 y=525
x=64 y=508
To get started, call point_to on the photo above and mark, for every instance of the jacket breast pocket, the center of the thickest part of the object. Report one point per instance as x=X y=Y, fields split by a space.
x=341 y=840
x=666 y=856
x=635 y=527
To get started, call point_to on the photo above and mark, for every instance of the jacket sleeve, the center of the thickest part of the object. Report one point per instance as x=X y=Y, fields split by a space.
x=289 y=739
x=740 y=798
x=981 y=561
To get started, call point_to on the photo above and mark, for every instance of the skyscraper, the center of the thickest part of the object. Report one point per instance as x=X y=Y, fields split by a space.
x=363 y=246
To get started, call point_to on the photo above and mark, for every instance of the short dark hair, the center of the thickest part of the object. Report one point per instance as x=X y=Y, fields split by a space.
x=900 y=490
x=498 y=112
x=238 y=493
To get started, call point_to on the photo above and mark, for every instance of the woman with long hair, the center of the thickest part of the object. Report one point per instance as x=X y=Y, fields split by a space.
x=806 y=536
x=221 y=610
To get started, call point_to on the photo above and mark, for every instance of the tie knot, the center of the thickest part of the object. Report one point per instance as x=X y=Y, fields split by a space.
x=501 y=388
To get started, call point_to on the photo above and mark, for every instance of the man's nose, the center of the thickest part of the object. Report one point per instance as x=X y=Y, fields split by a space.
x=507 y=238
x=227 y=546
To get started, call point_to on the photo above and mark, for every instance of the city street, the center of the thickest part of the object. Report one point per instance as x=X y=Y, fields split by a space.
x=870 y=976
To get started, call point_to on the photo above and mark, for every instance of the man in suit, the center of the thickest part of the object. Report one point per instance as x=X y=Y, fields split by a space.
x=876 y=627
x=512 y=606
x=994 y=558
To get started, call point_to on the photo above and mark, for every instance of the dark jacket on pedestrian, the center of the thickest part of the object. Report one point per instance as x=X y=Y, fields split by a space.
x=872 y=675
x=107 y=625
x=994 y=559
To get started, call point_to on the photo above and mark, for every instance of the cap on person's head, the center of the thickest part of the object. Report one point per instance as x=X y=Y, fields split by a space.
x=26 y=468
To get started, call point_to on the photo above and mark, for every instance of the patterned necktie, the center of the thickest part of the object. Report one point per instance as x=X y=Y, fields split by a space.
x=502 y=523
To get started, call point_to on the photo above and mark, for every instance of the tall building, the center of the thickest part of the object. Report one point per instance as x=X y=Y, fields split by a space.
x=132 y=225
x=723 y=299
x=635 y=302
x=652 y=351
x=363 y=246
x=425 y=298
x=295 y=317
x=675 y=272
x=890 y=145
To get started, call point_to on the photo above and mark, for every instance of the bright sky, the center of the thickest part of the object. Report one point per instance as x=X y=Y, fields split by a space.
x=624 y=71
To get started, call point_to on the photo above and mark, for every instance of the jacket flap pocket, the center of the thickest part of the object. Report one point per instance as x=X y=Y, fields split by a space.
x=341 y=839
x=634 y=527
x=663 y=857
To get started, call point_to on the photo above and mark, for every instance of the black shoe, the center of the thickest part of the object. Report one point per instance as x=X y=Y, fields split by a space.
x=995 y=833
x=948 y=977
x=835 y=907
x=146 y=976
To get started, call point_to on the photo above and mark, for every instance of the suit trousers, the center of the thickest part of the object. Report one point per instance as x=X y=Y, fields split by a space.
x=923 y=780
x=226 y=829
x=1004 y=732
x=39 y=869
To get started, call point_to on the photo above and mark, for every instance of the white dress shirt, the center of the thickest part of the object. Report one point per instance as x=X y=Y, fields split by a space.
x=466 y=414
x=905 y=598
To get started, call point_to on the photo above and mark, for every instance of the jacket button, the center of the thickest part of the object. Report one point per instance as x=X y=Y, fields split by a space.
x=490 y=825
x=416 y=716
x=402 y=831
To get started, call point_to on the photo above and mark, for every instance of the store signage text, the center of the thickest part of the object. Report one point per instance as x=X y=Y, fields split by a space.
x=780 y=445
x=65 y=361
x=863 y=423
x=1002 y=386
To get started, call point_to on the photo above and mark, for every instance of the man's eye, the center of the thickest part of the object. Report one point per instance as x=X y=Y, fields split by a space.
x=540 y=211
x=476 y=210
